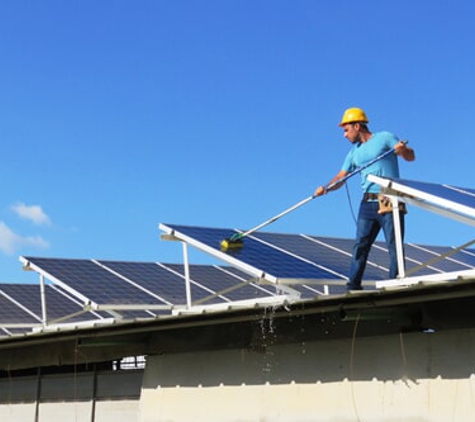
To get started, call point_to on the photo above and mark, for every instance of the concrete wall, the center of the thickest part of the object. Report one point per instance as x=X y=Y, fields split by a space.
x=407 y=377
x=108 y=396
x=411 y=377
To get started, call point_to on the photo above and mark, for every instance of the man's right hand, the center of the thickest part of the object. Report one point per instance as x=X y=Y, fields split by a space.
x=321 y=190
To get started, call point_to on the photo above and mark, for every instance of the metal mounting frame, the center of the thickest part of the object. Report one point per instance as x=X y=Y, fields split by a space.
x=441 y=206
x=256 y=276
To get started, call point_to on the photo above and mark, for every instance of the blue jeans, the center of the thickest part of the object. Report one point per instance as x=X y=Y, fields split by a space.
x=368 y=226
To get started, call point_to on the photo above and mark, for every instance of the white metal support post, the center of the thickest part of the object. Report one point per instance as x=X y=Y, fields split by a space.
x=398 y=235
x=187 y=275
x=44 y=313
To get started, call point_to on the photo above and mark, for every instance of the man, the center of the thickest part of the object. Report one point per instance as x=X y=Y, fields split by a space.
x=366 y=147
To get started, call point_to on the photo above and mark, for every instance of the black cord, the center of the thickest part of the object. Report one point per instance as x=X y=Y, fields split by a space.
x=350 y=203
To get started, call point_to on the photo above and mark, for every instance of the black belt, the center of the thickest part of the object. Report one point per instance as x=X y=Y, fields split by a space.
x=370 y=197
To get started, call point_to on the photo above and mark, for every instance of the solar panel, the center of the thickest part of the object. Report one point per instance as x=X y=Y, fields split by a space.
x=268 y=266
x=157 y=278
x=314 y=261
x=332 y=254
x=59 y=305
x=451 y=201
x=257 y=257
x=13 y=315
x=127 y=287
x=227 y=285
x=95 y=284
x=457 y=261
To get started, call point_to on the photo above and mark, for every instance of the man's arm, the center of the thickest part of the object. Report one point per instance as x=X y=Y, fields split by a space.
x=404 y=151
x=322 y=190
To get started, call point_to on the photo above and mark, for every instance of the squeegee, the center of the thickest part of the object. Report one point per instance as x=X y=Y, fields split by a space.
x=236 y=240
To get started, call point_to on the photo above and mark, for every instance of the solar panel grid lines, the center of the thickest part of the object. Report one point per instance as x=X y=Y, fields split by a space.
x=337 y=254
x=128 y=280
x=301 y=257
x=344 y=254
x=463 y=257
x=415 y=254
x=262 y=259
x=223 y=282
x=90 y=281
x=262 y=248
x=266 y=289
x=59 y=307
x=93 y=287
x=254 y=257
x=450 y=201
x=228 y=282
x=221 y=294
x=143 y=275
x=297 y=266
x=209 y=242
x=198 y=290
x=462 y=195
x=471 y=253
x=153 y=277
x=244 y=278
x=465 y=191
x=420 y=267
x=334 y=254
x=175 y=269
x=101 y=280
x=374 y=261
x=447 y=254
x=12 y=293
x=305 y=288
x=60 y=291
x=321 y=241
x=31 y=264
x=12 y=314
x=429 y=256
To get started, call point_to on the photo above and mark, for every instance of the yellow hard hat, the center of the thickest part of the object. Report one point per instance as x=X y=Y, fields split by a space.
x=353 y=115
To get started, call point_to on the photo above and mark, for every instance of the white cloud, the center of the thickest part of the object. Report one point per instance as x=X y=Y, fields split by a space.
x=33 y=213
x=10 y=242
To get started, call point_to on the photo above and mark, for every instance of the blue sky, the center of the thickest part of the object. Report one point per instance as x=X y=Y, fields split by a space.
x=118 y=115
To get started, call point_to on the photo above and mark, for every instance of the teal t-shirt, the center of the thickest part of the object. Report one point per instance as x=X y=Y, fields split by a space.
x=362 y=153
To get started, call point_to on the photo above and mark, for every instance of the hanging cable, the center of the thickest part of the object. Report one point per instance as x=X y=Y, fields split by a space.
x=350 y=204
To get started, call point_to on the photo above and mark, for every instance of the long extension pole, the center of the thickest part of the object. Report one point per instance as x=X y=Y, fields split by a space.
x=236 y=239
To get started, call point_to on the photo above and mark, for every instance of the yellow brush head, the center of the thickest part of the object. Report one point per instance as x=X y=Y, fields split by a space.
x=228 y=244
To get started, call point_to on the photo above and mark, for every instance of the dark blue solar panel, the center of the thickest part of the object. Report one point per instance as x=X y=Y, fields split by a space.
x=121 y=282
x=168 y=282
x=217 y=280
x=151 y=276
x=458 y=261
x=256 y=254
x=159 y=280
x=466 y=256
x=58 y=305
x=463 y=196
x=94 y=282
x=279 y=254
x=333 y=255
x=340 y=251
x=10 y=313
x=268 y=289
